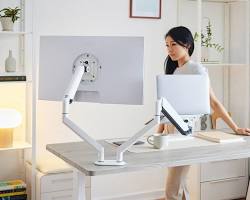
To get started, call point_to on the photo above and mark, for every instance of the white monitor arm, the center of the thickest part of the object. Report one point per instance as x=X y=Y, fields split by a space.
x=168 y=111
x=164 y=107
x=81 y=66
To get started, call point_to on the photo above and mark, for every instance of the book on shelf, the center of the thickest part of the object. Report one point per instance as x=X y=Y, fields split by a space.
x=12 y=191
x=11 y=185
x=12 y=194
x=18 y=197
x=12 y=78
x=220 y=137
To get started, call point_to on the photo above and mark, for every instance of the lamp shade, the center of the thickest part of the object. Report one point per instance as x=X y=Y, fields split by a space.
x=9 y=118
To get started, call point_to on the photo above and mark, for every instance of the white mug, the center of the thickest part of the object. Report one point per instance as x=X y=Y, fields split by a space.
x=159 y=141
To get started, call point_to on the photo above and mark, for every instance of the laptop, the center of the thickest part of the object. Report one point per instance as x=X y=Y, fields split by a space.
x=187 y=94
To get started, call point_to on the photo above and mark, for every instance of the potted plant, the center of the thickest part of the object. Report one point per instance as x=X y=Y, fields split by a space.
x=9 y=16
x=206 y=42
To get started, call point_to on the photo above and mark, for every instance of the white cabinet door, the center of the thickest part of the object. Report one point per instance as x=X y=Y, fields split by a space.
x=223 y=170
x=61 y=195
x=224 y=189
x=56 y=182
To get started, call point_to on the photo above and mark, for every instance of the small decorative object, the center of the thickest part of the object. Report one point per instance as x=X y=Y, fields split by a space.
x=205 y=122
x=9 y=119
x=206 y=42
x=10 y=15
x=145 y=9
x=10 y=63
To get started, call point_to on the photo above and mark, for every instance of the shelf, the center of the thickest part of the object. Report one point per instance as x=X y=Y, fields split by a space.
x=17 y=145
x=13 y=33
x=222 y=1
x=224 y=64
x=12 y=76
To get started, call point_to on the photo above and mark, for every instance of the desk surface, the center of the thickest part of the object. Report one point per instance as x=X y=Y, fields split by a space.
x=81 y=156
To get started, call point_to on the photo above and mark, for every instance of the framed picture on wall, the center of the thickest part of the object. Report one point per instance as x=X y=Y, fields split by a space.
x=145 y=9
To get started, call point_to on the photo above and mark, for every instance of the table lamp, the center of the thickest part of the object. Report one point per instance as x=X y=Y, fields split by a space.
x=9 y=119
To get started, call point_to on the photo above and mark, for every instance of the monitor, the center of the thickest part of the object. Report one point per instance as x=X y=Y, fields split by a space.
x=187 y=94
x=116 y=77
x=99 y=69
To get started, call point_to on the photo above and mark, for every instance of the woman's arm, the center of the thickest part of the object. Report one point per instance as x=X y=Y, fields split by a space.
x=221 y=111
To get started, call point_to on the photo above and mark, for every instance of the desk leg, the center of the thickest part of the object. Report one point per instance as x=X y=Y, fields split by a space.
x=78 y=185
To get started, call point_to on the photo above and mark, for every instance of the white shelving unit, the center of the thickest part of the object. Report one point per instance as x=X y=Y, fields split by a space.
x=19 y=39
x=17 y=94
x=229 y=75
x=17 y=145
x=230 y=29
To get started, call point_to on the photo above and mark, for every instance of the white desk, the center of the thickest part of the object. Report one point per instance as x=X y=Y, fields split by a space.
x=81 y=156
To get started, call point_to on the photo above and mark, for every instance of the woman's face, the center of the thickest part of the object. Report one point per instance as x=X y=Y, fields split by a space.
x=174 y=50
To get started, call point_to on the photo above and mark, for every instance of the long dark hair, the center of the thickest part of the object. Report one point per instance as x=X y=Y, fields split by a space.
x=183 y=37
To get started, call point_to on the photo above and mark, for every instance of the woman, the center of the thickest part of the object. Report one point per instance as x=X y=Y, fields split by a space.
x=180 y=47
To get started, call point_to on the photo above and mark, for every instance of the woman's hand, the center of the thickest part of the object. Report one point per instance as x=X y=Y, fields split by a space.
x=169 y=128
x=242 y=131
x=160 y=128
x=165 y=129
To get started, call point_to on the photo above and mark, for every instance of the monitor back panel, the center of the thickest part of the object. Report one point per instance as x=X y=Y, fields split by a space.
x=188 y=94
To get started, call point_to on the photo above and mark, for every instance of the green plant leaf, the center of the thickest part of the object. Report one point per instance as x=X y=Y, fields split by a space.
x=11 y=12
x=207 y=38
